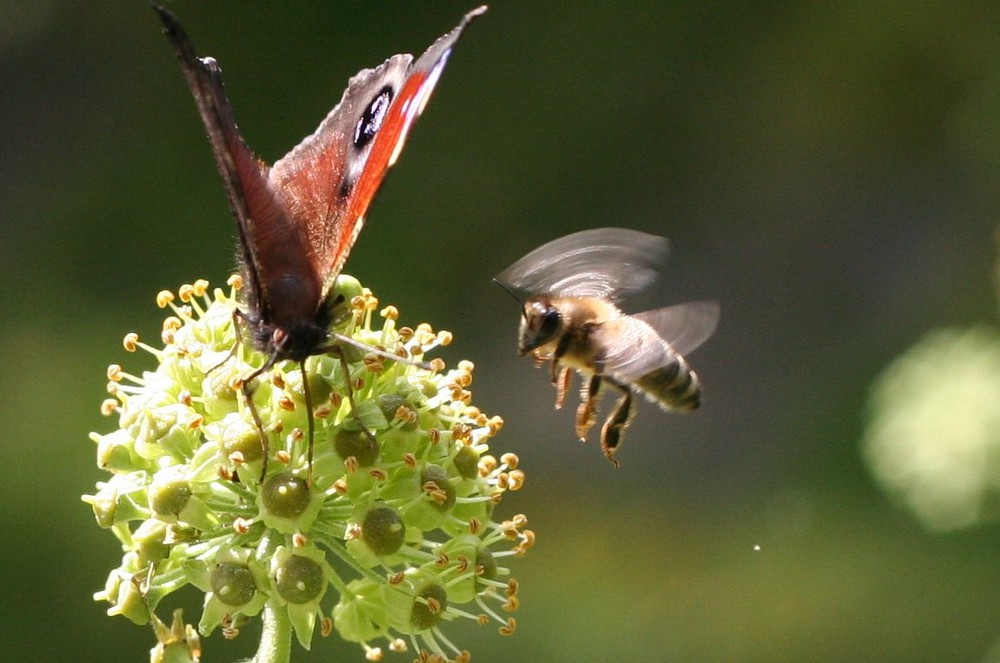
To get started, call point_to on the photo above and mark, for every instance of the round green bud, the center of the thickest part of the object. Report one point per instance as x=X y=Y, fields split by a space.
x=437 y=475
x=285 y=495
x=359 y=444
x=218 y=385
x=319 y=387
x=299 y=579
x=346 y=287
x=241 y=437
x=148 y=542
x=169 y=495
x=389 y=403
x=233 y=583
x=487 y=562
x=467 y=462
x=429 y=611
x=383 y=530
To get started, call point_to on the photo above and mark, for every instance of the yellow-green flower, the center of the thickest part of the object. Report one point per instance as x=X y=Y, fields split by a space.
x=384 y=538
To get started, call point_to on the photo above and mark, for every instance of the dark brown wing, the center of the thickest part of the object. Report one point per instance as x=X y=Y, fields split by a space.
x=256 y=208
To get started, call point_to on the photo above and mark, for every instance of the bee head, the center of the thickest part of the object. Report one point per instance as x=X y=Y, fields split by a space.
x=540 y=322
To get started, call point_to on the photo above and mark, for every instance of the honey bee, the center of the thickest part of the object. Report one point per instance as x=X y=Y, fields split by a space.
x=571 y=289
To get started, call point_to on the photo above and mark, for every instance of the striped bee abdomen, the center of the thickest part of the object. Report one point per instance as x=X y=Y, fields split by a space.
x=674 y=386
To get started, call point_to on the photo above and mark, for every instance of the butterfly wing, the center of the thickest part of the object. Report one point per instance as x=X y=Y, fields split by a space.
x=299 y=219
x=608 y=263
x=258 y=211
x=328 y=181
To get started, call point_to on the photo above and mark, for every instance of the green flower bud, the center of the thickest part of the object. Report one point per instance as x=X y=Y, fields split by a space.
x=288 y=504
x=466 y=462
x=285 y=495
x=178 y=643
x=299 y=579
x=217 y=392
x=362 y=447
x=416 y=603
x=239 y=437
x=117 y=501
x=347 y=288
x=126 y=599
x=486 y=564
x=319 y=387
x=149 y=543
x=169 y=494
x=233 y=583
x=437 y=484
x=429 y=607
x=116 y=452
x=383 y=530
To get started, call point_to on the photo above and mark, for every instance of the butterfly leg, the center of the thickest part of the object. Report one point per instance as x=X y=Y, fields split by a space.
x=238 y=318
x=617 y=422
x=586 y=414
x=245 y=386
x=310 y=419
x=247 y=389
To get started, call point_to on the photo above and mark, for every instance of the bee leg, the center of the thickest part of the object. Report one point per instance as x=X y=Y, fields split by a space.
x=586 y=414
x=561 y=381
x=617 y=422
x=560 y=374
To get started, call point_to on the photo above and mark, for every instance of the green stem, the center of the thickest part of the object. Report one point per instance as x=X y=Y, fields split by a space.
x=276 y=635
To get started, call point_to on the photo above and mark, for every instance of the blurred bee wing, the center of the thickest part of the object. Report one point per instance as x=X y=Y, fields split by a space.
x=684 y=326
x=631 y=351
x=628 y=350
x=608 y=263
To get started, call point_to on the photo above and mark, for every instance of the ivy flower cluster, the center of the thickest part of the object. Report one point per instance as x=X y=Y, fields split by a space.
x=386 y=535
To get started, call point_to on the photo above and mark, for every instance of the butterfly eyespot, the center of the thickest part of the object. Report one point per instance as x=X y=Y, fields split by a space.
x=371 y=120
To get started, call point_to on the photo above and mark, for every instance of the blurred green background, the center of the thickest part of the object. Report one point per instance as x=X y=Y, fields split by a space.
x=828 y=171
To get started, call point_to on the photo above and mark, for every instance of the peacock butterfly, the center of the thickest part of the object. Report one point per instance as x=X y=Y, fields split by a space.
x=299 y=218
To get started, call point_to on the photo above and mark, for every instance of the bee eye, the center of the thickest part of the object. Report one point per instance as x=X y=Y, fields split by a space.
x=540 y=323
x=549 y=325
